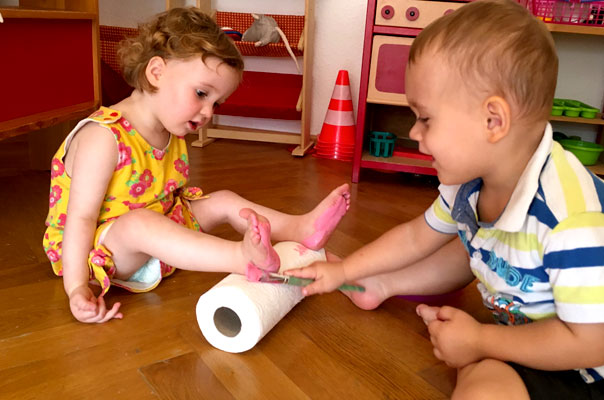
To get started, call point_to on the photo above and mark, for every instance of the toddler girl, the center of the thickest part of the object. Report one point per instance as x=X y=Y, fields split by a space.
x=118 y=200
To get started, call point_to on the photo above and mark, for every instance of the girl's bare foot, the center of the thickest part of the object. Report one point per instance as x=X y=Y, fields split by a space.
x=253 y=273
x=257 y=247
x=325 y=217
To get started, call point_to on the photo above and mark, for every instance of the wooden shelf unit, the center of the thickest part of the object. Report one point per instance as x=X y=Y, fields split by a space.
x=54 y=68
x=386 y=36
x=302 y=104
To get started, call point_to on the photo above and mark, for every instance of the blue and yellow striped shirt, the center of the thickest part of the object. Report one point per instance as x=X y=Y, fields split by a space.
x=544 y=256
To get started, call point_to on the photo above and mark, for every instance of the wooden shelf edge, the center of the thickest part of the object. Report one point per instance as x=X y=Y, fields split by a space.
x=579 y=29
x=597 y=169
x=387 y=102
x=598 y=120
x=201 y=143
x=45 y=13
x=237 y=133
x=400 y=164
x=300 y=150
x=44 y=120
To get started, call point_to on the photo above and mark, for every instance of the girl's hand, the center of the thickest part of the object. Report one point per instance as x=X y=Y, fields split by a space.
x=328 y=276
x=85 y=307
x=455 y=334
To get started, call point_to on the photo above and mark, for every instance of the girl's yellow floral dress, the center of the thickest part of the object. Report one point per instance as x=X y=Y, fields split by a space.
x=144 y=177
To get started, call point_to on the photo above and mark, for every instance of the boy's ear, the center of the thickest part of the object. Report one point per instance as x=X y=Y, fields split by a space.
x=496 y=118
x=155 y=69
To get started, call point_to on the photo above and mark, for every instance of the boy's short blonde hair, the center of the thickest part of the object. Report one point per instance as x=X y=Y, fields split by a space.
x=179 y=33
x=498 y=47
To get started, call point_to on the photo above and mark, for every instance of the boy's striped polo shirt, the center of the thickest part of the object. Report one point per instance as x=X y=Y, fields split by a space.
x=544 y=255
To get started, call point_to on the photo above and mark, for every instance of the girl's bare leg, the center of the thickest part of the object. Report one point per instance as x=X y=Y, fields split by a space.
x=141 y=234
x=311 y=229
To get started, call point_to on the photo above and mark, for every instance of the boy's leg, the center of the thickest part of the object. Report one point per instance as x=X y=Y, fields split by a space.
x=489 y=379
x=443 y=271
x=140 y=234
x=311 y=229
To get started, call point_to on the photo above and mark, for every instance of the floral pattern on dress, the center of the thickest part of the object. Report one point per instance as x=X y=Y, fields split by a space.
x=57 y=168
x=144 y=177
x=55 y=195
x=182 y=166
x=124 y=156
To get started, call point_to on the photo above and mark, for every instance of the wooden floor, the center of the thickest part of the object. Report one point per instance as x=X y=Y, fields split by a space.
x=325 y=348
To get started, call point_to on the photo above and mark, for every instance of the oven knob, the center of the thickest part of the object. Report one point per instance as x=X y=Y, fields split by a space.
x=387 y=12
x=412 y=13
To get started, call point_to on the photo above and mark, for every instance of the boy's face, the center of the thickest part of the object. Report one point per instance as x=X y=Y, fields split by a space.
x=449 y=122
x=190 y=90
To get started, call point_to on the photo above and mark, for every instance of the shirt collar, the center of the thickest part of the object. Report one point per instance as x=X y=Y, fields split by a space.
x=513 y=216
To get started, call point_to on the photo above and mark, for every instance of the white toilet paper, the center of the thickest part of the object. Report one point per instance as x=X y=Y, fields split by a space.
x=235 y=314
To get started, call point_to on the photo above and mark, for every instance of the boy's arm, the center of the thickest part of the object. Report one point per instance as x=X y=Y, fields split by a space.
x=399 y=247
x=445 y=270
x=549 y=344
x=94 y=156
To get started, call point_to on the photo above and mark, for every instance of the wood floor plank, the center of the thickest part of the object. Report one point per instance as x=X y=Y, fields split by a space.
x=184 y=377
x=81 y=371
x=249 y=375
x=363 y=357
x=314 y=369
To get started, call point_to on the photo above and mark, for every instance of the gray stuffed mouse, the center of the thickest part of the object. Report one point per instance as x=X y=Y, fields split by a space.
x=265 y=30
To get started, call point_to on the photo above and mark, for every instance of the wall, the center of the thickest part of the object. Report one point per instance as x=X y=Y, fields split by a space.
x=339 y=30
x=128 y=13
x=580 y=76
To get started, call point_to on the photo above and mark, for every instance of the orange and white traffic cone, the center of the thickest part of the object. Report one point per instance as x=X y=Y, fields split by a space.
x=336 y=139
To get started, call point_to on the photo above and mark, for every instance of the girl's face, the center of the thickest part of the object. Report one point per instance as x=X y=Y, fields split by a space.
x=190 y=90
x=449 y=122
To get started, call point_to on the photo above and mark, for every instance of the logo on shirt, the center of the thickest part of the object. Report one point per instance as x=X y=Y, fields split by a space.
x=506 y=311
x=512 y=276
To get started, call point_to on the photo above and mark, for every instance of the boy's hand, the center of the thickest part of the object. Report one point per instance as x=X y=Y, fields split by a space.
x=454 y=334
x=328 y=276
x=85 y=307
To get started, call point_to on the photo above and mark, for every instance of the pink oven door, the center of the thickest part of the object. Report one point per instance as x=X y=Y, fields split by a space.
x=389 y=58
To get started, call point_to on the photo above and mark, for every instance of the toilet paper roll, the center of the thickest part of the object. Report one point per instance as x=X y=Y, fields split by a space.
x=235 y=314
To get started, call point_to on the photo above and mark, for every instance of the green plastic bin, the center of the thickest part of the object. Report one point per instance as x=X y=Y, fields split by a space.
x=587 y=152
x=381 y=144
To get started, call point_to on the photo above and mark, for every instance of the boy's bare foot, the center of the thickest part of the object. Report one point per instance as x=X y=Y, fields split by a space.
x=371 y=298
x=373 y=295
x=427 y=313
x=325 y=217
x=257 y=247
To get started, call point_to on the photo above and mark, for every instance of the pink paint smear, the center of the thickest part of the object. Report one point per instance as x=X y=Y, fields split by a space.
x=253 y=273
x=325 y=224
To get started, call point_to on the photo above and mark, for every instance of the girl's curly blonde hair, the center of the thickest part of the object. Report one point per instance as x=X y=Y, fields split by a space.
x=179 y=33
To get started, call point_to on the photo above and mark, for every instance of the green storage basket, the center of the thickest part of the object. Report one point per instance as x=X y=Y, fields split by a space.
x=587 y=152
x=381 y=144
